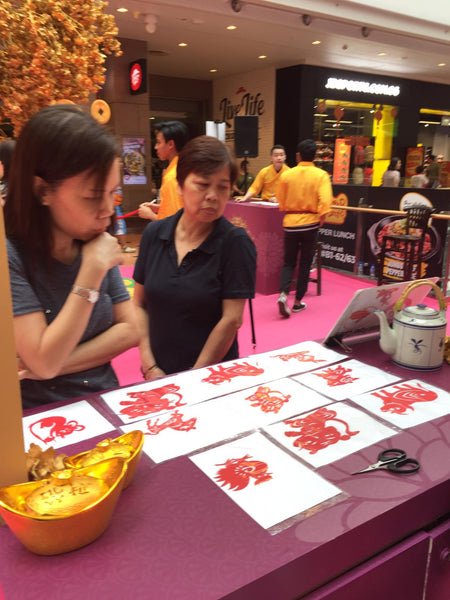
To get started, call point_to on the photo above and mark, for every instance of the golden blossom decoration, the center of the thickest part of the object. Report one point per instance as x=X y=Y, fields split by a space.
x=52 y=50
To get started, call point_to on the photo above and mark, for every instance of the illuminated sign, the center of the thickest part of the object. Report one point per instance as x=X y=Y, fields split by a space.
x=365 y=87
x=137 y=76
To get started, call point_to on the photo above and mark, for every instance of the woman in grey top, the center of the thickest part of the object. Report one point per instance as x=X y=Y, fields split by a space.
x=72 y=313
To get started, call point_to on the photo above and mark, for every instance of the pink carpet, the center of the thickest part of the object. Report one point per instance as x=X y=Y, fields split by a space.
x=271 y=330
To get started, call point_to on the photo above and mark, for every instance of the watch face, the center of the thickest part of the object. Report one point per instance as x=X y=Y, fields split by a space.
x=93 y=296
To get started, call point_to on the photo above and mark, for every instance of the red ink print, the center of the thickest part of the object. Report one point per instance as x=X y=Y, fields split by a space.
x=337 y=376
x=314 y=433
x=268 y=400
x=400 y=402
x=238 y=471
x=51 y=428
x=175 y=421
x=221 y=374
x=302 y=356
x=152 y=401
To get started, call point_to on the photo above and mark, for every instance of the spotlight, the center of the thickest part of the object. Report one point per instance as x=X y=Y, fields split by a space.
x=236 y=5
x=306 y=20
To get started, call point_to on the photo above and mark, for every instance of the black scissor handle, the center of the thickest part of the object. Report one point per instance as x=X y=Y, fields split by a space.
x=391 y=455
x=404 y=466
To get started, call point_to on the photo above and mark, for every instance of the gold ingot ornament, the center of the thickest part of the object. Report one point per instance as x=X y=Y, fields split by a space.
x=127 y=446
x=66 y=511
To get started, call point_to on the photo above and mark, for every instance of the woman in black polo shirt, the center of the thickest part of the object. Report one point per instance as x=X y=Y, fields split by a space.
x=195 y=270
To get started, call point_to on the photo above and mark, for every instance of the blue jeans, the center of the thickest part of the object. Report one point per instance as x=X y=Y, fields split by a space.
x=295 y=242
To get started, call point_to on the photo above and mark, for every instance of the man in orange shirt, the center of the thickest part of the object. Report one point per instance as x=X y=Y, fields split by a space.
x=171 y=137
x=267 y=179
x=305 y=195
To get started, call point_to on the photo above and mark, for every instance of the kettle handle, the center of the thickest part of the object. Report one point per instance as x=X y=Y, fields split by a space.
x=439 y=295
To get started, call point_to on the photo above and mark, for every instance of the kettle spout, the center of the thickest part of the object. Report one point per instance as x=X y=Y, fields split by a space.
x=388 y=337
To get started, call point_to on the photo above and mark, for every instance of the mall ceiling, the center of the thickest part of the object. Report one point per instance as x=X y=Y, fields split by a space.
x=363 y=39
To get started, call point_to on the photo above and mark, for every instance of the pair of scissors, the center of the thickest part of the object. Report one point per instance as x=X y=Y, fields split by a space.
x=394 y=460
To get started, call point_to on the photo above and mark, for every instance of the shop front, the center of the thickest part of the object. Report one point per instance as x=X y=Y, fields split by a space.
x=361 y=121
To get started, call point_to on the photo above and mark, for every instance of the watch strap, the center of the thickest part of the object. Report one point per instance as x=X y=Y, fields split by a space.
x=90 y=295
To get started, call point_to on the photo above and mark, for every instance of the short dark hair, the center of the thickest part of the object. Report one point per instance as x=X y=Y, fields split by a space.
x=174 y=130
x=419 y=169
x=307 y=149
x=57 y=143
x=277 y=147
x=205 y=155
x=6 y=152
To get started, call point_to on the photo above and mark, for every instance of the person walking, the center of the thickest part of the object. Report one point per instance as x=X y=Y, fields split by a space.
x=305 y=195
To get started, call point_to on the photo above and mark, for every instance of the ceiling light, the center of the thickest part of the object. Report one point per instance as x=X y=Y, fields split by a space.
x=122 y=9
x=231 y=27
x=441 y=65
x=381 y=53
x=182 y=44
x=213 y=70
x=262 y=56
x=316 y=42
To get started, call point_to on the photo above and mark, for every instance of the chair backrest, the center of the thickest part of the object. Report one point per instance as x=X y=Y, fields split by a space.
x=417 y=217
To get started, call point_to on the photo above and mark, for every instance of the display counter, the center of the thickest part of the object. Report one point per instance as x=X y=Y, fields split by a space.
x=348 y=237
x=264 y=224
x=176 y=535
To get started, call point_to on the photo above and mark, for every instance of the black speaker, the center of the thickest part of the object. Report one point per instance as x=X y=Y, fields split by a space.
x=246 y=136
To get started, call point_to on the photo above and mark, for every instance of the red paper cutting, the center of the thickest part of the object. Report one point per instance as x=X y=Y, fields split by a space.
x=52 y=427
x=268 y=400
x=337 y=376
x=315 y=432
x=302 y=356
x=405 y=395
x=221 y=374
x=175 y=421
x=238 y=472
x=152 y=401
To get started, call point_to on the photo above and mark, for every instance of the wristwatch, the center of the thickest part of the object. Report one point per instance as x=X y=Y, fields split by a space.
x=90 y=295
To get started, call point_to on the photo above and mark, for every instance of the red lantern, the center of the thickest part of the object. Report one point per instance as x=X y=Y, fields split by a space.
x=338 y=113
x=321 y=106
x=378 y=115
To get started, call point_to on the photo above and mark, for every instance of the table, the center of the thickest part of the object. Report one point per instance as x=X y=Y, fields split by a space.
x=176 y=536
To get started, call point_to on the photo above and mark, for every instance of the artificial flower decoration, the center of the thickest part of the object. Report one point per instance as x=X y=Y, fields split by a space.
x=52 y=50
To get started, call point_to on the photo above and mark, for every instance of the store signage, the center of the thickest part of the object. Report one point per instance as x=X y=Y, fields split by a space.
x=249 y=104
x=137 y=76
x=365 y=87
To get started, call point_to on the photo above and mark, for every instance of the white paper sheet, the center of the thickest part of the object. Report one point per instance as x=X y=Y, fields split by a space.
x=184 y=389
x=191 y=428
x=65 y=425
x=329 y=433
x=267 y=483
x=408 y=403
x=298 y=358
x=346 y=380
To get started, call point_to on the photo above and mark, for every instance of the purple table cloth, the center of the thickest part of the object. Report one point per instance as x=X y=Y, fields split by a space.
x=176 y=535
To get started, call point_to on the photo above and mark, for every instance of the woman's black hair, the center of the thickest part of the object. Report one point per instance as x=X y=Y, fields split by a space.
x=58 y=142
x=205 y=155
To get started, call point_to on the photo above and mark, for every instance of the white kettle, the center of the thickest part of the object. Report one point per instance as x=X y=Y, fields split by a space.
x=416 y=339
